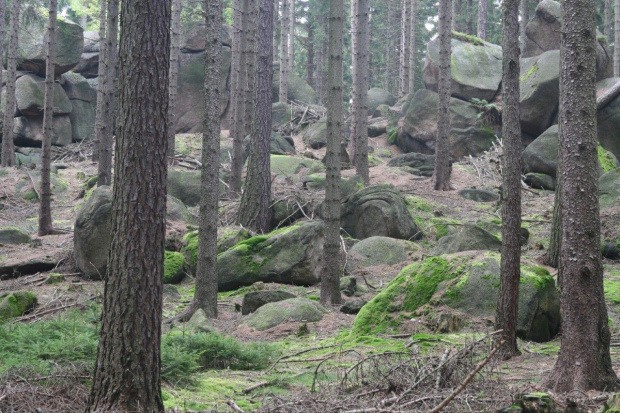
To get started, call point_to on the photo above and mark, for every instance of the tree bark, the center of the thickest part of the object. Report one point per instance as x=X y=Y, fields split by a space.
x=607 y=20
x=412 y=45
x=45 y=205
x=8 y=149
x=470 y=17
x=404 y=49
x=330 y=282
x=457 y=9
x=255 y=211
x=101 y=78
x=482 y=19
x=441 y=176
x=354 y=18
x=109 y=89
x=250 y=64
x=276 y=35
x=617 y=38
x=175 y=53
x=205 y=296
x=510 y=275
x=584 y=361
x=2 y=36
x=525 y=18
x=310 y=60
x=388 y=52
x=127 y=370
x=555 y=240
x=291 y=37
x=284 y=57
x=361 y=109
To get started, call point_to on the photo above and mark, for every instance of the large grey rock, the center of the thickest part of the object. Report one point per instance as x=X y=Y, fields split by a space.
x=298 y=89
x=84 y=101
x=476 y=68
x=193 y=37
x=13 y=235
x=469 y=238
x=468 y=136
x=294 y=309
x=415 y=163
x=28 y=131
x=609 y=189
x=30 y=96
x=91 y=41
x=32 y=43
x=539 y=92
x=315 y=135
x=378 y=251
x=280 y=115
x=540 y=181
x=541 y=156
x=278 y=145
x=293 y=256
x=253 y=300
x=608 y=119
x=479 y=195
x=378 y=210
x=92 y=234
x=88 y=65
x=378 y=97
x=184 y=185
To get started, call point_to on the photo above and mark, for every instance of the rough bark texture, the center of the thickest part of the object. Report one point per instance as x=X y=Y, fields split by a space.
x=101 y=79
x=310 y=59
x=2 y=36
x=175 y=52
x=617 y=38
x=482 y=19
x=291 y=36
x=388 y=51
x=8 y=149
x=555 y=241
x=607 y=20
x=250 y=64
x=108 y=86
x=205 y=296
x=238 y=86
x=441 y=176
x=404 y=48
x=508 y=299
x=255 y=211
x=276 y=34
x=45 y=204
x=584 y=361
x=127 y=370
x=284 y=57
x=413 y=64
x=330 y=282
x=362 y=81
x=354 y=77
x=525 y=18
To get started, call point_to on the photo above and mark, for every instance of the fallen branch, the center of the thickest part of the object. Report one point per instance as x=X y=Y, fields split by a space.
x=607 y=96
x=298 y=353
x=234 y=406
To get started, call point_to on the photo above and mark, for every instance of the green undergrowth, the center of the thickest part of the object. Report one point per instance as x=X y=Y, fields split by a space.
x=611 y=286
x=605 y=159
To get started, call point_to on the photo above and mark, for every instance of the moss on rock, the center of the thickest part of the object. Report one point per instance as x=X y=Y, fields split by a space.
x=14 y=304
x=174 y=267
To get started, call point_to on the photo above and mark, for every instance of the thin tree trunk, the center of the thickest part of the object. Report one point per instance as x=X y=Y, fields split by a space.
x=607 y=21
x=275 y=29
x=8 y=149
x=525 y=18
x=310 y=60
x=404 y=48
x=2 y=37
x=510 y=275
x=205 y=296
x=412 y=45
x=457 y=9
x=584 y=361
x=46 y=226
x=127 y=370
x=254 y=211
x=388 y=50
x=354 y=19
x=330 y=282
x=291 y=37
x=482 y=19
x=175 y=53
x=470 y=17
x=361 y=117
x=441 y=176
x=617 y=38
x=555 y=241
x=284 y=57
x=101 y=79
x=109 y=89
x=250 y=65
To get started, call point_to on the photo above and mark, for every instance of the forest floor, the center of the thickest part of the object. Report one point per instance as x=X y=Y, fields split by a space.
x=49 y=353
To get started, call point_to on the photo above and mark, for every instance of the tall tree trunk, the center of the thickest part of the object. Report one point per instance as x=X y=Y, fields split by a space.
x=109 y=89
x=310 y=60
x=205 y=296
x=354 y=19
x=510 y=275
x=607 y=20
x=361 y=87
x=388 y=49
x=291 y=37
x=45 y=205
x=101 y=78
x=470 y=17
x=2 y=36
x=8 y=149
x=284 y=57
x=584 y=361
x=555 y=242
x=412 y=45
x=330 y=282
x=238 y=88
x=175 y=53
x=457 y=9
x=404 y=48
x=276 y=35
x=254 y=211
x=482 y=19
x=441 y=176
x=525 y=18
x=127 y=370
x=617 y=38
x=250 y=65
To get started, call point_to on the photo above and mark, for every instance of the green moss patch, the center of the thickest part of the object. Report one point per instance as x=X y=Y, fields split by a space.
x=14 y=304
x=174 y=267
x=476 y=41
x=606 y=159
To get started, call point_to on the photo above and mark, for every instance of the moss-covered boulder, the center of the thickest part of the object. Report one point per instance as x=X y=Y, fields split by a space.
x=421 y=164
x=540 y=181
x=609 y=189
x=468 y=238
x=30 y=95
x=476 y=67
x=378 y=251
x=174 y=267
x=467 y=283
x=378 y=210
x=539 y=92
x=378 y=97
x=291 y=255
x=293 y=309
x=228 y=237
x=315 y=135
x=177 y=211
x=288 y=166
x=298 y=89
x=253 y=300
x=13 y=235
x=28 y=131
x=350 y=287
x=14 y=304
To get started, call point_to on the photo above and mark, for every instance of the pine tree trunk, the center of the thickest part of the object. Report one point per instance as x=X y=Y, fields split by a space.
x=470 y=17
x=109 y=89
x=8 y=149
x=555 y=241
x=354 y=19
x=441 y=176
x=412 y=45
x=276 y=35
x=2 y=36
x=584 y=361
x=361 y=109
x=291 y=37
x=617 y=38
x=45 y=205
x=482 y=19
x=404 y=49
x=510 y=275
x=250 y=65
x=205 y=296
x=239 y=84
x=525 y=18
x=330 y=282
x=127 y=370
x=310 y=60
x=101 y=78
x=388 y=41
x=254 y=211
x=457 y=9
x=175 y=53
x=607 y=21
x=284 y=57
